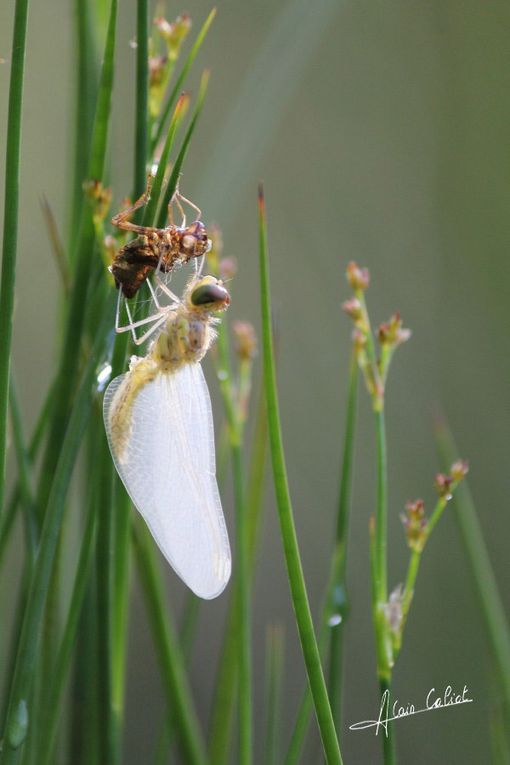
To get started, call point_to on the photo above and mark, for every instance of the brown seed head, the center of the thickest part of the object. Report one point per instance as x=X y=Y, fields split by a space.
x=100 y=198
x=228 y=268
x=111 y=246
x=392 y=333
x=443 y=485
x=157 y=66
x=358 y=278
x=359 y=340
x=173 y=33
x=353 y=308
x=245 y=340
x=415 y=524
x=459 y=470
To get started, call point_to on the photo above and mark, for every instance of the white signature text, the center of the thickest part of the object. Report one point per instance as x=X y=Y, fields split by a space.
x=396 y=711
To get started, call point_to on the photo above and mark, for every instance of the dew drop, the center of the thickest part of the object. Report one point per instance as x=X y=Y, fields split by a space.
x=103 y=376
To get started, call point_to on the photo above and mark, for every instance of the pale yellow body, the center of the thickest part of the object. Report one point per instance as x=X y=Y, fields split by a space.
x=187 y=335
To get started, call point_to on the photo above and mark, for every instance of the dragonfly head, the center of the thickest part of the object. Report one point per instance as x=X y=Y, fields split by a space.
x=209 y=294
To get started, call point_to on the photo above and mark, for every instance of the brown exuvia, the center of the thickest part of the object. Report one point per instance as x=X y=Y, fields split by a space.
x=162 y=248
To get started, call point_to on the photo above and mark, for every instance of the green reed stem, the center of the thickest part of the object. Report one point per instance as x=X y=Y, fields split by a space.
x=379 y=581
x=489 y=597
x=335 y=603
x=108 y=734
x=7 y=518
x=20 y=599
x=24 y=470
x=86 y=266
x=86 y=91
x=11 y=208
x=176 y=90
x=171 y=661
x=381 y=518
x=388 y=739
x=121 y=574
x=337 y=597
x=65 y=651
x=274 y=676
x=285 y=512
x=142 y=97
x=235 y=431
x=18 y=713
x=227 y=675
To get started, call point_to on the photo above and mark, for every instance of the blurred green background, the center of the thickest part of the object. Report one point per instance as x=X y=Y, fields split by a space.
x=381 y=132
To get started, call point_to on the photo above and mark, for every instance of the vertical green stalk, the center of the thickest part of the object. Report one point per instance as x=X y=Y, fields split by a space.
x=24 y=469
x=108 y=737
x=86 y=88
x=121 y=576
x=142 y=97
x=86 y=266
x=11 y=207
x=46 y=754
x=235 y=431
x=388 y=740
x=227 y=675
x=335 y=607
x=7 y=518
x=338 y=598
x=274 y=671
x=285 y=512
x=174 y=677
x=379 y=583
x=381 y=518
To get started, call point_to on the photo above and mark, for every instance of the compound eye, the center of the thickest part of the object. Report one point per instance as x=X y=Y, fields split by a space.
x=208 y=294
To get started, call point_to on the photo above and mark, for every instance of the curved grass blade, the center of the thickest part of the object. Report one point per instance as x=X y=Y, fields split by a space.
x=152 y=205
x=286 y=517
x=489 y=598
x=11 y=206
x=176 y=170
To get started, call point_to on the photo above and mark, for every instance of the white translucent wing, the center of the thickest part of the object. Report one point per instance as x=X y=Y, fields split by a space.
x=168 y=469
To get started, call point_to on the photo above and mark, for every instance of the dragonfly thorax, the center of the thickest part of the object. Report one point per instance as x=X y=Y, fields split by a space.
x=185 y=339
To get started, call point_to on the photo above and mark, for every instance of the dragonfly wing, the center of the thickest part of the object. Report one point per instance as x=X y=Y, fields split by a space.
x=168 y=468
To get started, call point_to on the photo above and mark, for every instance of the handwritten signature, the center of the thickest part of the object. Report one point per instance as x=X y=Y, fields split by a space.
x=397 y=711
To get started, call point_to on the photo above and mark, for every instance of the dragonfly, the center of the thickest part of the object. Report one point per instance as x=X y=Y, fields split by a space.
x=160 y=431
